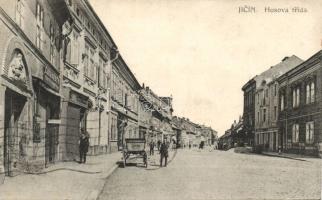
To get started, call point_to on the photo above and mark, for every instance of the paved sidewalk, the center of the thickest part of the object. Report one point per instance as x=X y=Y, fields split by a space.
x=292 y=156
x=64 y=180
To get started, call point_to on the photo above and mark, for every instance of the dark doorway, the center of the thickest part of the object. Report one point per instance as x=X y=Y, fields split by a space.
x=51 y=137
x=14 y=104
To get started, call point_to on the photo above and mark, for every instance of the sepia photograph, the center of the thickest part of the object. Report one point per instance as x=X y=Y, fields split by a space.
x=160 y=99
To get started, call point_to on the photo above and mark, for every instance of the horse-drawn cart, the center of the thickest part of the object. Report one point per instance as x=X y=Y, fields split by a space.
x=135 y=147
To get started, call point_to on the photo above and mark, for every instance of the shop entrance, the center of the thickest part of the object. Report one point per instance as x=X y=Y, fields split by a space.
x=51 y=137
x=13 y=127
x=76 y=120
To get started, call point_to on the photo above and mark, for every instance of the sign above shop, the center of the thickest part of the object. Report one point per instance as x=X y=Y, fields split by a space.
x=54 y=121
x=51 y=78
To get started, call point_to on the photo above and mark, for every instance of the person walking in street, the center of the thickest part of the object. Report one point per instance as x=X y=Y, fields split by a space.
x=164 y=153
x=83 y=146
x=151 y=148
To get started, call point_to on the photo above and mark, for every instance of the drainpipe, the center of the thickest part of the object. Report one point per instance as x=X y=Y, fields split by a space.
x=110 y=62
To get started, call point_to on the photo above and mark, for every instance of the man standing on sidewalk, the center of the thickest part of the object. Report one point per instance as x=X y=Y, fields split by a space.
x=164 y=153
x=83 y=146
x=151 y=148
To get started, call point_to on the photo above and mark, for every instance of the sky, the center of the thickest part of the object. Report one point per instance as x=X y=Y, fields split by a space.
x=203 y=51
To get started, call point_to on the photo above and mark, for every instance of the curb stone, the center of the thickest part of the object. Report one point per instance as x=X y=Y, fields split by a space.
x=93 y=195
x=283 y=156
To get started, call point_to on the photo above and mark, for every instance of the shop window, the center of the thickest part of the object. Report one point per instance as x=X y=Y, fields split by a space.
x=309 y=133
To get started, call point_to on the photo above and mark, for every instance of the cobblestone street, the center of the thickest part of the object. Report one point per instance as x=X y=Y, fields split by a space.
x=203 y=174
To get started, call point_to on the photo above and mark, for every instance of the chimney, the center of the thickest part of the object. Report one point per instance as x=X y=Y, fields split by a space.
x=285 y=58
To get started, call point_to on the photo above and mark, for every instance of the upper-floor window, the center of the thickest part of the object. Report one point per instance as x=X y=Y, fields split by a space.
x=75 y=49
x=92 y=67
x=86 y=60
x=52 y=44
x=309 y=133
x=295 y=133
x=275 y=90
x=296 y=97
x=282 y=102
x=275 y=112
x=264 y=115
x=310 y=92
x=40 y=25
x=19 y=12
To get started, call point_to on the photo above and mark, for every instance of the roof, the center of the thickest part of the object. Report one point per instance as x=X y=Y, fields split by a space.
x=277 y=70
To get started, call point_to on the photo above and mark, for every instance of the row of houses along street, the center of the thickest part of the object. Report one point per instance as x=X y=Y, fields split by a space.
x=62 y=72
x=282 y=109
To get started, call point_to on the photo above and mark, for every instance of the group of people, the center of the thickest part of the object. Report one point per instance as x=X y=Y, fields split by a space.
x=163 y=150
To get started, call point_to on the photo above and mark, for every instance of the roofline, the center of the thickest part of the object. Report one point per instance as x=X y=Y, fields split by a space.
x=248 y=83
x=99 y=21
x=298 y=67
x=139 y=87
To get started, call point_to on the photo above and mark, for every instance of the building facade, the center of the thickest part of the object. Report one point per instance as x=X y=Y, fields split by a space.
x=266 y=103
x=249 y=112
x=124 y=104
x=300 y=108
x=86 y=72
x=32 y=37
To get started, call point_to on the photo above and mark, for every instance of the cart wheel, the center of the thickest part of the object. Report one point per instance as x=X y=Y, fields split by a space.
x=124 y=159
x=145 y=160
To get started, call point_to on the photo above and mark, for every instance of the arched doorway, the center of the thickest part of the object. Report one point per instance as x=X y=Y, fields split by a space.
x=17 y=114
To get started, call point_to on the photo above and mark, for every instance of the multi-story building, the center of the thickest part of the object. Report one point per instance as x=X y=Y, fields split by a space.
x=208 y=135
x=266 y=103
x=300 y=107
x=161 y=114
x=32 y=35
x=249 y=112
x=124 y=104
x=89 y=54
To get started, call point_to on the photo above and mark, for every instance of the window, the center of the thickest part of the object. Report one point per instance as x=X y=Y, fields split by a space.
x=52 y=44
x=86 y=58
x=100 y=73
x=275 y=90
x=310 y=92
x=275 y=112
x=282 y=102
x=114 y=129
x=19 y=13
x=264 y=115
x=40 y=25
x=295 y=133
x=296 y=97
x=74 y=49
x=309 y=132
x=92 y=65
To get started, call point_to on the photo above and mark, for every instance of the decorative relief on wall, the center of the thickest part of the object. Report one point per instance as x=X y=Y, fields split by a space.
x=17 y=69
